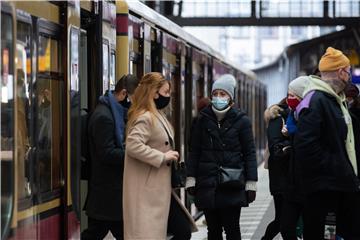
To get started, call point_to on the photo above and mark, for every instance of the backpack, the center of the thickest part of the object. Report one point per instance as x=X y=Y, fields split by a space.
x=85 y=148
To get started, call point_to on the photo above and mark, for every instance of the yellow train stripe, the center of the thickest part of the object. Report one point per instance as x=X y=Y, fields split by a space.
x=41 y=9
x=35 y=210
x=121 y=7
x=122 y=56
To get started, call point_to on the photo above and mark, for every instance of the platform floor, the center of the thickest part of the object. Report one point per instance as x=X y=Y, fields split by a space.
x=255 y=218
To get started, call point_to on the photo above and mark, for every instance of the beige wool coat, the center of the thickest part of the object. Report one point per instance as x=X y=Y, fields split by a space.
x=147 y=182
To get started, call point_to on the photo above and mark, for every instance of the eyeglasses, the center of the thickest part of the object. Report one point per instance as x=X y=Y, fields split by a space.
x=349 y=73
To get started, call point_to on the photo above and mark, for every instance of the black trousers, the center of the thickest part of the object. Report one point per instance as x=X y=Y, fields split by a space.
x=345 y=206
x=178 y=223
x=291 y=212
x=98 y=229
x=273 y=228
x=225 y=218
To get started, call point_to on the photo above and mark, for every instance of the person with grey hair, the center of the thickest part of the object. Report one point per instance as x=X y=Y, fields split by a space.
x=222 y=166
x=283 y=185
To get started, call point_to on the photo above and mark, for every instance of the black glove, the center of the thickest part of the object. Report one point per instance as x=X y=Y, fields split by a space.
x=191 y=191
x=251 y=195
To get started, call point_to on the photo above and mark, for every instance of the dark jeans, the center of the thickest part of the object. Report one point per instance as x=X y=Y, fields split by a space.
x=178 y=223
x=346 y=207
x=227 y=218
x=291 y=212
x=273 y=228
x=98 y=229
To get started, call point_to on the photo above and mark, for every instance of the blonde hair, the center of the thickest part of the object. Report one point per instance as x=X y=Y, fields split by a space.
x=142 y=100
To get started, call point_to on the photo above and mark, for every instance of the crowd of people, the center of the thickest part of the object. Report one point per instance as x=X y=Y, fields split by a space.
x=313 y=140
x=314 y=160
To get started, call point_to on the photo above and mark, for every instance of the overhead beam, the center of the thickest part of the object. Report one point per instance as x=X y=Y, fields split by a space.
x=264 y=21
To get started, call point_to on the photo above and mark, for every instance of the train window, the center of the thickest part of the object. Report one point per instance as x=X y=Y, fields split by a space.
x=48 y=115
x=112 y=71
x=105 y=67
x=49 y=57
x=7 y=121
x=49 y=128
x=23 y=68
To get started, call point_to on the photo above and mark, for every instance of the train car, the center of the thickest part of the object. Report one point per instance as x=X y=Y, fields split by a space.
x=39 y=61
x=57 y=58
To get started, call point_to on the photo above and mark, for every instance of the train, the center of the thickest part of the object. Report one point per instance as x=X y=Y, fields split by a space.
x=57 y=58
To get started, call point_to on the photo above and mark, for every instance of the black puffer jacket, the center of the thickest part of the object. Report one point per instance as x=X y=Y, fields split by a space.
x=278 y=160
x=320 y=146
x=229 y=144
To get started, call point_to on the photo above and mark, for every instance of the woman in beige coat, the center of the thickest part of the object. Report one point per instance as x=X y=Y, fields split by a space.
x=147 y=172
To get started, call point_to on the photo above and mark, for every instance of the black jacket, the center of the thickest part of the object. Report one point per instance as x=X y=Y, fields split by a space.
x=107 y=165
x=278 y=160
x=230 y=146
x=355 y=115
x=320 y=146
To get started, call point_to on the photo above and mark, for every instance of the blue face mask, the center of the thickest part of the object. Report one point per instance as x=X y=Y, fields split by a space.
x=220 y=103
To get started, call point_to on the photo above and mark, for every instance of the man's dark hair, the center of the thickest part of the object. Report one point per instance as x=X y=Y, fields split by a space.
x=128 y=82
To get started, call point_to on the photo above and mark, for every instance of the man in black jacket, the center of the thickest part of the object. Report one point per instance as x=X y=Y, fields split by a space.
x=324 y=148
x=106 y=139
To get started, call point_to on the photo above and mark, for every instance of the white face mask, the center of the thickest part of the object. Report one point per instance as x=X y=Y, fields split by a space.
x=220 y=103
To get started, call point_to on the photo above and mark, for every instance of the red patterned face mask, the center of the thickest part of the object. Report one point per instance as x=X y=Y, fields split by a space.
x=293 y=103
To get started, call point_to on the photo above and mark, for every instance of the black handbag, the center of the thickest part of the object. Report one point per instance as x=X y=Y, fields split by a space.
x=232 y=178
x=178 y=174
x=178 y=168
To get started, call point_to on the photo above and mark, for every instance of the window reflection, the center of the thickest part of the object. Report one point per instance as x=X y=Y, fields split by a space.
x=7 y=120
x=48 y=115
x=23 y=68
x=49 y=128
x=48 y=55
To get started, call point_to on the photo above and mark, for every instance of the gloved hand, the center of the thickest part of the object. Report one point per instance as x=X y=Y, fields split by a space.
x=251 y=195
x=191 y=191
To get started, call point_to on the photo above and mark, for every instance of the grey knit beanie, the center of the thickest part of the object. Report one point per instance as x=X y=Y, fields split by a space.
x=226 y=82
x=297 y=86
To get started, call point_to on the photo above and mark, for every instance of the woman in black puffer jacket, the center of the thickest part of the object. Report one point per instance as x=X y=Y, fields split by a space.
x=222 y=138
x=284 y=183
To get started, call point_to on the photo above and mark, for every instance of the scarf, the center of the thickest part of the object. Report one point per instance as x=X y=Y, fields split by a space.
x=118 y=113
x=291 y=124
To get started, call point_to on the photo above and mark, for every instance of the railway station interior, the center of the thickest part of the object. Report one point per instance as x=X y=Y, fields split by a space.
x=60 y=60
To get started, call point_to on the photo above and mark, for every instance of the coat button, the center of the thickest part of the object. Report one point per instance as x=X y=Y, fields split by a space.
x=166 y=143
x=224 y=145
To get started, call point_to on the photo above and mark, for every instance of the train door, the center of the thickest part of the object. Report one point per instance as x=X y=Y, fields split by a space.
x=156 y=50
x=83 y=78
x=74 y=112
x=146 y=54
x=198 y=83
x=7 y=153
x=135 y=46
x=39 y=111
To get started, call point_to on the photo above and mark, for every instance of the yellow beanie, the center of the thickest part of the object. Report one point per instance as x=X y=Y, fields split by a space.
x=333 y=60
